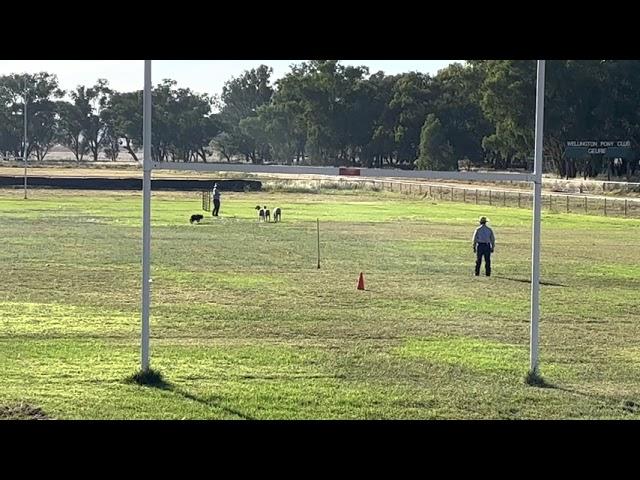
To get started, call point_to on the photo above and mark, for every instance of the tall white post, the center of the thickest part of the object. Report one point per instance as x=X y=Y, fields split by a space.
x=24 y=153
x=537 y=206
x=146 y=216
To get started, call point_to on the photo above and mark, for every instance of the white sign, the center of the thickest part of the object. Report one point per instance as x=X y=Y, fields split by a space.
x=602 y=144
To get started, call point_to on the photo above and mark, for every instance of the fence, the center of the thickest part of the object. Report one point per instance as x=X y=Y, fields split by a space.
x=554 y=202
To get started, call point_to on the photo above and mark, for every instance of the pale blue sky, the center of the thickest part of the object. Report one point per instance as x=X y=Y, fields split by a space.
x=204 y=76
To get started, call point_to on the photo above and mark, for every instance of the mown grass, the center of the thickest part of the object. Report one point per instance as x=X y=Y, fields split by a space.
x=244 y=325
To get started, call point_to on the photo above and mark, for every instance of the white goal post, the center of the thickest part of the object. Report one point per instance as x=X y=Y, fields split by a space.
x=535 y=178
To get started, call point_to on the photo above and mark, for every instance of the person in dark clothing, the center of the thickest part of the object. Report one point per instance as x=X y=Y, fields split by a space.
x=483 y=244
x=216 y=200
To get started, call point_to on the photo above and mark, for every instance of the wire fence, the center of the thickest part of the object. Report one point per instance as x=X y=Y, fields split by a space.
x=554 y=202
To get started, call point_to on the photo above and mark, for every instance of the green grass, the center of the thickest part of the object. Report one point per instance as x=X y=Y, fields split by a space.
x=244 y=326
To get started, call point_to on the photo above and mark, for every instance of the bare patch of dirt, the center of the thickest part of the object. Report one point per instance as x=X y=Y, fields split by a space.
x=22 y=411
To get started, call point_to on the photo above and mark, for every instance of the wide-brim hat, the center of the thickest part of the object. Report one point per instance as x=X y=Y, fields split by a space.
x=483 y=219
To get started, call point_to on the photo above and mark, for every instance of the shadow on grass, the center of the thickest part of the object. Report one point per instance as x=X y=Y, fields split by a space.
x=534 y=379
x=154 y=379
x=150 y=378
x=523 y=280
x=629 y=406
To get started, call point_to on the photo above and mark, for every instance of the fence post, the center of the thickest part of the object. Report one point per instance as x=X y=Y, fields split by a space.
x=519 y=195
x=430 y=196
x=605 y=206
x=567 y=203
x=551 y=203
x=586 y=210
x=464 y=198
x=625 y=207
x=489 y=197
x=452 y=194
x=476 y=196
x=504 y=198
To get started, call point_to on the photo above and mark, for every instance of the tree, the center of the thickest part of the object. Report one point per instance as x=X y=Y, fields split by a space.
x=411 y=101
x=579 y=104
x=241 y=98
x=70 y=129
x=288 y=114
x=10 y=121
x=319 y=103
x=224 y=143
x=111 y=139
x=436 y=153
x=38 y=91
x=124 y=120
x=97 y=99
x=192 y=123
x=44 y=129
x=378 y=121
x=275 y=126
x=508 y=101
x=457 y=106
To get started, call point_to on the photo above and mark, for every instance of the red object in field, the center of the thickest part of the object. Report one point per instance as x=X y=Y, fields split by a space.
x=354 y=172
x=361 y=282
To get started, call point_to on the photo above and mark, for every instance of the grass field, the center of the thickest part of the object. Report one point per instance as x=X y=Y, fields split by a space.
x=244 y=326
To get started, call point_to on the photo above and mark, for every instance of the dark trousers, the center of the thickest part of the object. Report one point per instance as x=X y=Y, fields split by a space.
x=216 y=207
x=483 y=250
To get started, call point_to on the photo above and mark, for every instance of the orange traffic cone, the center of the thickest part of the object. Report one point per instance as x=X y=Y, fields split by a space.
x=361 y=282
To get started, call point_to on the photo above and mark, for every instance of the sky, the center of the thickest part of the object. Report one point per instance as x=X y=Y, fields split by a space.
x=202 y=76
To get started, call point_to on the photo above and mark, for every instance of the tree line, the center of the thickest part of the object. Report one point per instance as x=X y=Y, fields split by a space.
x=480 y=114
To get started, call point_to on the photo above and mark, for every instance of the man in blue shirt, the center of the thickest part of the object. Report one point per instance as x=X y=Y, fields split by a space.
x=483 y=244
